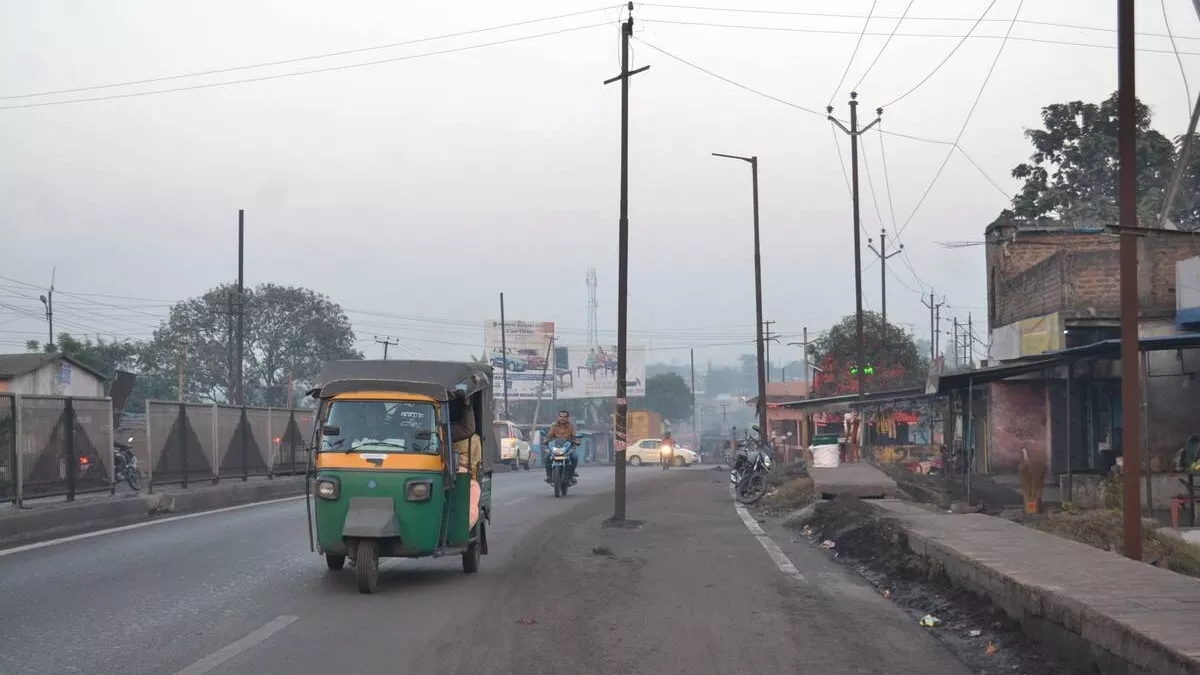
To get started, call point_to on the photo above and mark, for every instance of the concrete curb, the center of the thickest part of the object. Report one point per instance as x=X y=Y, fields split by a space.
x=66 y=519
x=1083 y=634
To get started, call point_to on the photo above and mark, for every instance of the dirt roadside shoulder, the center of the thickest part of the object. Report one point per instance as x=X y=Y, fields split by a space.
x=689 y=591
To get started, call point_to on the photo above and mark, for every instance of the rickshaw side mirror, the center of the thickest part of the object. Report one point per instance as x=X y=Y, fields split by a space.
x=331 y=430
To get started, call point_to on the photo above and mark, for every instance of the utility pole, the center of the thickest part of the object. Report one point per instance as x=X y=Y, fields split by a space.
x=763 y=429
x=241 y=318
x=970 y=343
x=724 y=410
x=1131 y=395
x=48 y=302
x=803 y=345
x=622 y=407
x=854 y=132
x=934 y=325
x=695 y=427
x=768 y=338
x=883 y=256
x=937 y=320
x=957 y=344
x=230 y=371
x=504 y=354
x=386 y=342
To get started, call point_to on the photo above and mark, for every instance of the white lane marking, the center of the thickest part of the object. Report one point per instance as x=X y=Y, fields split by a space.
x=234 y=648
x=781 y=560
x=134 y=526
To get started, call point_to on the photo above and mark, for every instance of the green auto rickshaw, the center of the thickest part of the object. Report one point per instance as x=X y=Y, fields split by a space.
x=402 y=466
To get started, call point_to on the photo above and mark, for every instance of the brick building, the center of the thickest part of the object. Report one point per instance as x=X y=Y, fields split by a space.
x=1052 y=288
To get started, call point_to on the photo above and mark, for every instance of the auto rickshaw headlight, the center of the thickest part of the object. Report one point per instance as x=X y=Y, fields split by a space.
x=328 y=488
x=418 y=491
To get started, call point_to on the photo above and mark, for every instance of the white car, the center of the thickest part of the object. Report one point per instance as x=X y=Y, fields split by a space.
x=649 y=451
x=514 y=449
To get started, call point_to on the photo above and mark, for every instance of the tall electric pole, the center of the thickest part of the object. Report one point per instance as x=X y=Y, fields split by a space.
x=854 y=132
x=622 y=407
x=768 y=338
x=803 y=344
x=1131 y=395
x=883 y=256
x=504 y=354
x=934 y=318
x=763 y=429
x=386 y=342
x=695 y=427
x=48 y=303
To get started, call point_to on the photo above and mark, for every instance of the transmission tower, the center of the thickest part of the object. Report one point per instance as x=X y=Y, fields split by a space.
x=593 y=330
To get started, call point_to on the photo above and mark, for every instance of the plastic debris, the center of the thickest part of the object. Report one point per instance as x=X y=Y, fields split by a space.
x=929 y=621
x=887 y=593
x=527 y=622
x=991 y=649
x=807 y=531
x=827 y=544
x=974 y=633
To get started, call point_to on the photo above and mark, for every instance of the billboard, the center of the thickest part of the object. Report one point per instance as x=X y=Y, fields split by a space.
x=591 y=372
x=527 y=342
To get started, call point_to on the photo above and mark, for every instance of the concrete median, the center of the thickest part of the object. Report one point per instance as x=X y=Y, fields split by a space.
x=90 y=513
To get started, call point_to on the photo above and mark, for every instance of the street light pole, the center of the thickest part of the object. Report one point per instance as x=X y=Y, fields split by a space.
x=758 y=309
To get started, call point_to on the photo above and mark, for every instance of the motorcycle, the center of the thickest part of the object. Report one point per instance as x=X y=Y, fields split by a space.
x=666 y=455
x=560 y=466
x=125 y=466
x=751 y=465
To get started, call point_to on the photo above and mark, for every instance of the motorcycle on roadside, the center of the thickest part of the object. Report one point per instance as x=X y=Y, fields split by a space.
x=752 y=462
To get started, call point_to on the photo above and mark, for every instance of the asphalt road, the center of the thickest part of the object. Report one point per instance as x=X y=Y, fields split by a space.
x=238 y=593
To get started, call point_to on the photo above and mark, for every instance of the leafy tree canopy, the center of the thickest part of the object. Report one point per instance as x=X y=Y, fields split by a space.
x=670 y=396
x=889 y=351
x=1073 y=172
x=288 y=330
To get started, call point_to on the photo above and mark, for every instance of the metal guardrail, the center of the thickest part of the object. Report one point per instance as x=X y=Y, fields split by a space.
x=188 y=442
x=54 y=446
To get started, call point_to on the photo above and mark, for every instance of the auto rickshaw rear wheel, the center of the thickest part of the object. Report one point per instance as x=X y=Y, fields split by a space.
x=366 y=565
x=470 y=557
x=335 y=562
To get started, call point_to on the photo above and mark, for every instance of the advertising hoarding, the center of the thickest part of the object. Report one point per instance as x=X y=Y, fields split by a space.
x=527 y=342
x=591 y=372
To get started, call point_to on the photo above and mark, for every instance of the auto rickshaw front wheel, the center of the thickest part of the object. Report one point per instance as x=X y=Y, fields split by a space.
x=335 y=562
x=366 y=565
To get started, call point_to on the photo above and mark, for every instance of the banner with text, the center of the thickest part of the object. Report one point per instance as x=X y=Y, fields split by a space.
x=591 y=372
x=527 y=342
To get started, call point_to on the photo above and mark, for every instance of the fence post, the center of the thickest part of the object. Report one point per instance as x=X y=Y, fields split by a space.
x=149 y=450
x=243 y=426
x=271 y=451
x=68 y=418
x=17 y=431
x=181 y=439
x=216 y=444
x=292 y=438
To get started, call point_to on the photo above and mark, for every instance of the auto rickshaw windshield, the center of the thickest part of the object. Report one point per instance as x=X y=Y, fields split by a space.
x=381 y=426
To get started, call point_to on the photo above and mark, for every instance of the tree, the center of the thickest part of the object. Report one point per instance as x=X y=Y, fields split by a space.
x=669 y=396
x=1072 y=175
x=889 y=351
x=289 y=331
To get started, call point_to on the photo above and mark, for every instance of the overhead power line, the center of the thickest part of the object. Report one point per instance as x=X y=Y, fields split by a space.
x=972 y=36
x=949 y=56
x=886 y=42
x=857 y=44
x=311 y=57
x=945 y=19
x=314 y=71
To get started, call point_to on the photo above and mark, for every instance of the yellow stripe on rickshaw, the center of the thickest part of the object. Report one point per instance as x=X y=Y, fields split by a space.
x=392 y=461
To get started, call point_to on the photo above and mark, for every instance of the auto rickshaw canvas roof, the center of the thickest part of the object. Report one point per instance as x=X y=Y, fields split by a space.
x=435 y=379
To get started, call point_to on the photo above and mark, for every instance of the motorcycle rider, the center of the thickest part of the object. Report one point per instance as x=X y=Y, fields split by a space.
x=562 y=429
x=666 y=454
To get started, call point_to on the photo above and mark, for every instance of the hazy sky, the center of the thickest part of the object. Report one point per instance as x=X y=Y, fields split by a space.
x=413 y=191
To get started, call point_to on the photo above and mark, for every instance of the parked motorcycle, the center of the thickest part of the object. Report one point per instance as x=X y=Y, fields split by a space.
x=561 y=475
x=125 y=466
x=752 y=462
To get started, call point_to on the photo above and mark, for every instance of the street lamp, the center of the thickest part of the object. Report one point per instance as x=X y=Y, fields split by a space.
x=761 y=346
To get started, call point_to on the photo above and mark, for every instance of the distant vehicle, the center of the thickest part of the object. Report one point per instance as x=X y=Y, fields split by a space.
x=514 y=449
x=532 y=358
x=650 y=451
